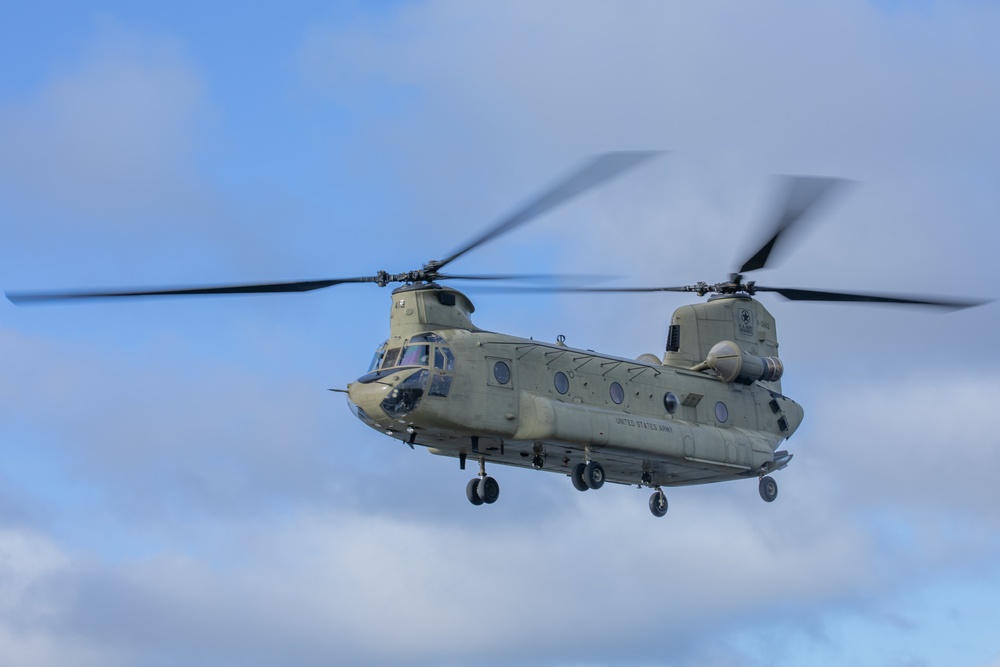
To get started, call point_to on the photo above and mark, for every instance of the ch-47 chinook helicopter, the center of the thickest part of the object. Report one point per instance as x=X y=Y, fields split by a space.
x=711 y=410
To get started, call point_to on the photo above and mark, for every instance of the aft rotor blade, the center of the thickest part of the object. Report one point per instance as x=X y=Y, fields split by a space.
x=795 y=294
x=583 y=290
x=802 y=195
x=21 y=298
x=593 y=173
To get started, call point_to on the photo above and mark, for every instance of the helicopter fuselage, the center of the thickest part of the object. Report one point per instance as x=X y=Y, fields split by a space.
x=442 y=383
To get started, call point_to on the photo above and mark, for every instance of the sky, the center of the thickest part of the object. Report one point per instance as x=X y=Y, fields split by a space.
x=178 y=485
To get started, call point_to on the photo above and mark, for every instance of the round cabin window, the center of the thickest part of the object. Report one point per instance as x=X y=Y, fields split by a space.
x=617 y=393
x=670 y=402
x=501 y=371
x=721 y=412
x=561 y=382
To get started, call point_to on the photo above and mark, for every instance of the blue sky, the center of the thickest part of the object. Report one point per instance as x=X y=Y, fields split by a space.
x=179 y=487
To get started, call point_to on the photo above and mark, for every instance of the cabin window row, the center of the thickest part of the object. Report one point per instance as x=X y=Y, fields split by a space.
x=501 y=371
x=616 y=392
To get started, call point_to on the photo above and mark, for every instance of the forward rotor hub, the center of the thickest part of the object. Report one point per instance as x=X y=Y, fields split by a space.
x=734 y=286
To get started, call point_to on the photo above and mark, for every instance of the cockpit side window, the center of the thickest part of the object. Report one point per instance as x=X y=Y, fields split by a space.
x=377 y=358
x=390 y=358
x=444 y=359
x=415 y=355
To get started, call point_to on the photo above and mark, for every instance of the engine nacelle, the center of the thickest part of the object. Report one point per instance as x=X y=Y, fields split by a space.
x=733 y=364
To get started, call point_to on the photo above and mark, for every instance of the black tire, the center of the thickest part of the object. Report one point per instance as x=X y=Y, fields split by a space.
x=593 y=475
x=471 y=491
x=768 y=489
x=576 y=475
x=488 y=490
x=658 y=504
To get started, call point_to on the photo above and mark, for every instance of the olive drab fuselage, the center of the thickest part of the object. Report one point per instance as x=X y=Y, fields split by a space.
x=442 y=383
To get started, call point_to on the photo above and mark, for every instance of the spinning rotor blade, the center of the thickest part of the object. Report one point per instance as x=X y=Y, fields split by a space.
x=261 y=288
x=574 y=277
x=586 y=290
x=598 y=170
x=25 y=298
x=803 y=194
x=795 y=294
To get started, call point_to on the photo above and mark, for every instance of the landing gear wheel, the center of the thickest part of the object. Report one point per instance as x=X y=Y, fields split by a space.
x=471 y=493
x=768 y=489
x=579 y=483
x=593 y=475
x=658 y=503
x=488 y=490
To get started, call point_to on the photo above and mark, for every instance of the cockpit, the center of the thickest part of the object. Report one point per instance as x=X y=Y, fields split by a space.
x=418 y=351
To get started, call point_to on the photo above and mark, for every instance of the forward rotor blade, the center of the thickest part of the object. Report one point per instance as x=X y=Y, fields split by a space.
x=23 y=298
x=583 y=290
x=598 y=170
x=795 y=294
x=802 y=195
x=574 y=277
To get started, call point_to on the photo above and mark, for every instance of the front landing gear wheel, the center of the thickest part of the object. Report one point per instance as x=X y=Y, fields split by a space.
x=768 y=489
x=471 y=493
x=488 y=490
x=658 y=503
x=593 y=475
x=579 y=483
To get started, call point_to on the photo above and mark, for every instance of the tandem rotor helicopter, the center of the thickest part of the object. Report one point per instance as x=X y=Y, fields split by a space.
x=710 y=410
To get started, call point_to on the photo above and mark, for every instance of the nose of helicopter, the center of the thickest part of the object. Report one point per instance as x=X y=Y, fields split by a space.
x=382 y=397
x=365 y=399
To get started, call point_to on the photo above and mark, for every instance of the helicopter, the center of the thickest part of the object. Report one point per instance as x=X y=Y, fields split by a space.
x=711 y=409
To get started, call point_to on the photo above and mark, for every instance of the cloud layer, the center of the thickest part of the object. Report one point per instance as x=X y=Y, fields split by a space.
x=179 y=486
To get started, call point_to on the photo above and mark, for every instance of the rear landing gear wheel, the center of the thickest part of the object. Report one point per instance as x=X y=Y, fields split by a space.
x=768 y=489
x=471 y=493
x=593 y=475
x=658 y=503
x=488 y=490
x=579 y=483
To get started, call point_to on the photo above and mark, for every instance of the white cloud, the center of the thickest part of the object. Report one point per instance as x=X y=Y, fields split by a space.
x=376 y=590
x=35 y=580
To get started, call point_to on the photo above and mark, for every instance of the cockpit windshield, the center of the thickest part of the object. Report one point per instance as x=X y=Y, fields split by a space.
x=415 y=355
x=417 y=352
